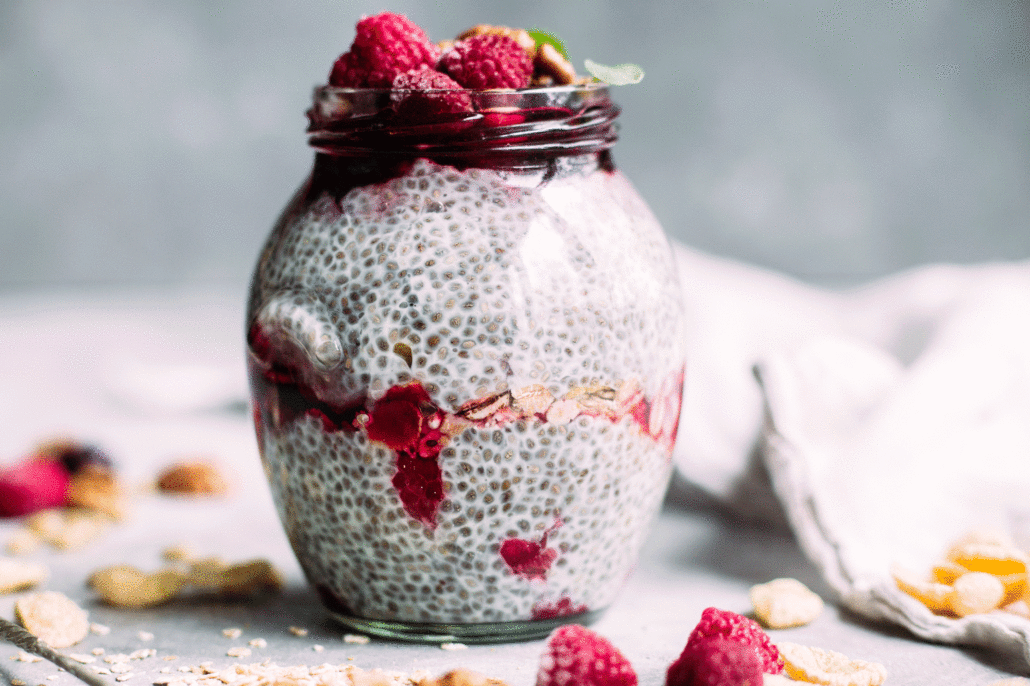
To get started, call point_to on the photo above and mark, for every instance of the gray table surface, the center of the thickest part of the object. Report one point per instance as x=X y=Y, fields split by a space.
x=60 y=376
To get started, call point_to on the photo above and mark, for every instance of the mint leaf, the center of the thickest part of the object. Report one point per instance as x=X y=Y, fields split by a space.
x=545 y=37
x=619 y=75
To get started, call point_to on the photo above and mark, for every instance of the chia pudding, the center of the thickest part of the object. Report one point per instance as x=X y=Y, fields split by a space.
x=466 y=359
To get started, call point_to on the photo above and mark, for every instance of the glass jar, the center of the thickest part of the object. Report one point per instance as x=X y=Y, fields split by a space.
x=466 y=360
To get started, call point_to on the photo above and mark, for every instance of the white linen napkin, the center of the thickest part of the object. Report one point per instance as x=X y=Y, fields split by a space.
x=891 y=419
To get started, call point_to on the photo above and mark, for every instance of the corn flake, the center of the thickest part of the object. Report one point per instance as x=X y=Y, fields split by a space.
x=819 y=666
x=783 y=603
x=52 y=617
x=933 y=595
x=976 y=593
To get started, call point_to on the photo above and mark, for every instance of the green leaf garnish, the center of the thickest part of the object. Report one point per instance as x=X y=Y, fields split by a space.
x=544 y=37
x=619 y=75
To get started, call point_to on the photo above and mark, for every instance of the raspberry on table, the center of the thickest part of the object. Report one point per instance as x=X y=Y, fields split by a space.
x=575 y=655
x=488 y=61
x=716 y=623
x=716 y=661
x=34 y=484
x=424 y=92
x=384 y=46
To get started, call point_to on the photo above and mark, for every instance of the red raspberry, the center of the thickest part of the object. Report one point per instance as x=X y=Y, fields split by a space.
x=716 y=623
x=430 y=93
x=488 y=61
x=384 y=46
x=716 y=662
x=31 y=485
x=577 y=656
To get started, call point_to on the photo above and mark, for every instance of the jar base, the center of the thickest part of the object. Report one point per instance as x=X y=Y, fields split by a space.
x=488 y=632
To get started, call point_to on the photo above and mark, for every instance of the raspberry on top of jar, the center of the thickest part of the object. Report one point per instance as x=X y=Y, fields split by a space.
x=428 y=81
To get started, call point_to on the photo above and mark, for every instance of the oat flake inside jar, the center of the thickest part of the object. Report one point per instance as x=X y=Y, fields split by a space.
x=466 y=359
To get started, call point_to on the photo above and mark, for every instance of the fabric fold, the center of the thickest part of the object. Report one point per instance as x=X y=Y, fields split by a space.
x=891 y=418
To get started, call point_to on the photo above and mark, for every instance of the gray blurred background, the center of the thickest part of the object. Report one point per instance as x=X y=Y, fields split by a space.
x=153 y=143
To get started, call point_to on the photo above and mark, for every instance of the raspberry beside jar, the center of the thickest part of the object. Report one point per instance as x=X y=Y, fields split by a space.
x=466 y=354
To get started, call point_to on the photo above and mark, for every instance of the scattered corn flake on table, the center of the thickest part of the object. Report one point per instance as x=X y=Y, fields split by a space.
x=155 y=376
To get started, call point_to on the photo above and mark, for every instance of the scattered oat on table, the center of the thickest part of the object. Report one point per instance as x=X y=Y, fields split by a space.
x=53 y=618
x=233 y=633
x=99 y=629
x=317 y=648
x=257 y=643
x=298 y=631
x=357 y=639
x=463 y=677
x=453 y=646
x=22 y=656
x=238 y=651
x=319 y=675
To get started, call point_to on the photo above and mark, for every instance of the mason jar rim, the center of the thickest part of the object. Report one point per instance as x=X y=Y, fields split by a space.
x=333 y=104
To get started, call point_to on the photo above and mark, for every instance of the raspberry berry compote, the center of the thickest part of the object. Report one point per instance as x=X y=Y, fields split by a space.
x=466 y=359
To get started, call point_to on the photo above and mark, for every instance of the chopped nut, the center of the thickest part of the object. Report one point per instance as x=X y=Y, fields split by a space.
x=197 y=477
x=68 y=528
x=549 y=62
x=249 y=577
x=532 y=399
x=126 y=586
x=96 y=488
x=520 y=36
x=177 y=553
x=53 y=618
